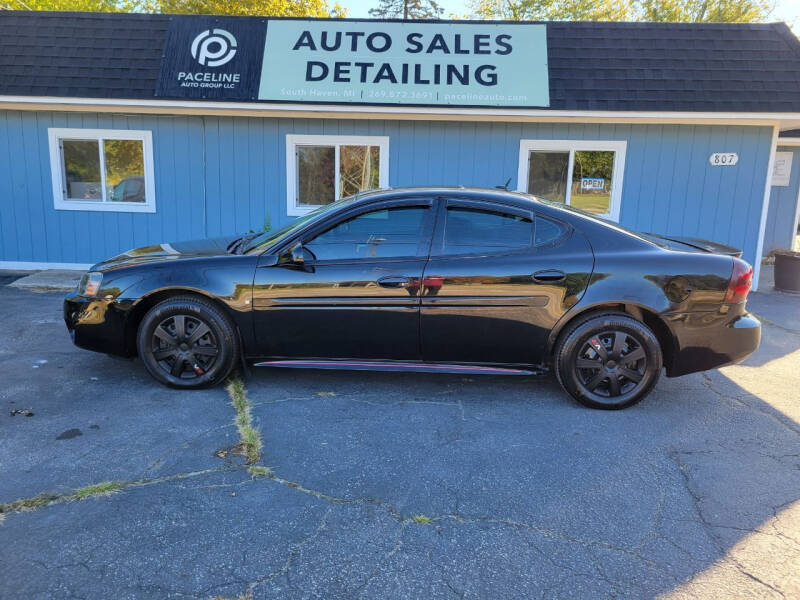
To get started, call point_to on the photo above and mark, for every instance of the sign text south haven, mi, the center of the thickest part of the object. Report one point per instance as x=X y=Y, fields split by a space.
x=368 y=62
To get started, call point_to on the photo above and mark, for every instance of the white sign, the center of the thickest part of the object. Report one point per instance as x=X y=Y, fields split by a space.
x=723 y=159
x=782 y=169
x=593 y=183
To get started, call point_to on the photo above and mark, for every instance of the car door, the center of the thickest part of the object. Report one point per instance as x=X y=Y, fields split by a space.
x=497 y=281
x=356 y=294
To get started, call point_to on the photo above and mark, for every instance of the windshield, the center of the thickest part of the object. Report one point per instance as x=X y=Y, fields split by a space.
x=269 y=238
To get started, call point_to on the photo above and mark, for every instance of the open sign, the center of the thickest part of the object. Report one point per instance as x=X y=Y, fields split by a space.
x=593 y=183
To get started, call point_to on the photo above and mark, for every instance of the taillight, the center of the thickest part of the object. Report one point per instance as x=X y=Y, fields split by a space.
x=740 y=283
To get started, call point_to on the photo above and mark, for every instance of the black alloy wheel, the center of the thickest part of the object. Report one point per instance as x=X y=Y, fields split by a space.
x=187 y=342
x=184 y=346
x=610 y=364
x=608 y=361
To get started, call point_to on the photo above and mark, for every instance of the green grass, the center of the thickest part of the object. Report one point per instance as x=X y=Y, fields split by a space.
x=259 y=471
x=28 y=503
x=593 y=203
x=106 y=488
x=421 y=519
x=249 y=436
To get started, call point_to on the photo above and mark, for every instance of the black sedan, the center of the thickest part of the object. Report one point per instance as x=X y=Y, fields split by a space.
x=427 y=279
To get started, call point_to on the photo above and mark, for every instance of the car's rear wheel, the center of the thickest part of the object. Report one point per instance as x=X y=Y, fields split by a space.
x=608 y=361
x=187 y=342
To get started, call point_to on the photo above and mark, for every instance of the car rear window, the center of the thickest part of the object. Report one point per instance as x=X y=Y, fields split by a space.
x=473 y=230
x=547 y=231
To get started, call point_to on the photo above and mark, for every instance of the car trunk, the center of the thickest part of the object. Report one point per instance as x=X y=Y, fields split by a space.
x=690 y=244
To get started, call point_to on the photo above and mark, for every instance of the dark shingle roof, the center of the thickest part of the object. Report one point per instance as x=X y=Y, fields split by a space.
x=87 y=55
x=674 y=67
x=593 y=66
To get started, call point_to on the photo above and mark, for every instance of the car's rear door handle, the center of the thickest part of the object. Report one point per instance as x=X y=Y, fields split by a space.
x=549 y=276
x=391 y=281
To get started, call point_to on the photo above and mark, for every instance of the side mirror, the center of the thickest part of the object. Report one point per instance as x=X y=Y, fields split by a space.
x=294 y=256
x=298 y=254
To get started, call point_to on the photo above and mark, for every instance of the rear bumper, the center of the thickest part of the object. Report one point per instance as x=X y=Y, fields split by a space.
x=96 y=324
x=709 y=341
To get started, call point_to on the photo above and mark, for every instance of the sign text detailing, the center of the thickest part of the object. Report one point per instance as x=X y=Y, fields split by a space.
x=405 y=63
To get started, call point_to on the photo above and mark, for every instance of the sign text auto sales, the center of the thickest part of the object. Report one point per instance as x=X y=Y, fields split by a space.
x=424 y=63
x=375 y=44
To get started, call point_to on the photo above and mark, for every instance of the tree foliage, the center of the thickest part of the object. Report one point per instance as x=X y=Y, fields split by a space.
x=708 y=11
x=694 y=11
x=407 y=9
x=267 y=8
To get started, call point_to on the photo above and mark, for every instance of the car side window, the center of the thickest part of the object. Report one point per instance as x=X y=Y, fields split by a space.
x=385 y=233
x=475 y=231
x=547 y=231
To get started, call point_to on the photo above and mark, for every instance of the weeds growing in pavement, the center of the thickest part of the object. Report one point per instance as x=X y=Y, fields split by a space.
x=249 y=437
x=421 y=519
x=259 y=471
x=106 y=488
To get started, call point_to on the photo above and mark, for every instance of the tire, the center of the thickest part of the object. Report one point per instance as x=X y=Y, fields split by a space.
x=187 y=342
x=592 y=361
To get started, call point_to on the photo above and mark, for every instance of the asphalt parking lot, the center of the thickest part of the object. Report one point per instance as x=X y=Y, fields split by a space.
x=392 y=485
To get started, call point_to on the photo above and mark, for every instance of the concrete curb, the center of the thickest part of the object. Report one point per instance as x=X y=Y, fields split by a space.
x=48 y=281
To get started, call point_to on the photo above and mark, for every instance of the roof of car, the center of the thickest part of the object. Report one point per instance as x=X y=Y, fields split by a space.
x=732 y=67
x=444 y=190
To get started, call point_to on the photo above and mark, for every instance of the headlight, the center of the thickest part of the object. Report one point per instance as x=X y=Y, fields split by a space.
x=90 y=284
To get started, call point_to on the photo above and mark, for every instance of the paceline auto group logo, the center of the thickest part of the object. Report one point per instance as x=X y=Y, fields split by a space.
x=213 y=47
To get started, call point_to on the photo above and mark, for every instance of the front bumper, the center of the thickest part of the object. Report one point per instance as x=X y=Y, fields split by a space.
x=96 y=324
x=709 y=341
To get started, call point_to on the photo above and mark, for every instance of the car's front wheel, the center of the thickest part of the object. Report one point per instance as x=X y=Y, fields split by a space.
x=187 y=342
x=608 y=361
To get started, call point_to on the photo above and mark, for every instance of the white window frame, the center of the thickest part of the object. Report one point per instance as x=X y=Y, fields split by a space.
x=293 y=209
x=617 y=146
x=56 y=135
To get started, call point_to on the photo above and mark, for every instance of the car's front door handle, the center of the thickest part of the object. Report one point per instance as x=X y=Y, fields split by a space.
x=391 y=281
x=549 y=276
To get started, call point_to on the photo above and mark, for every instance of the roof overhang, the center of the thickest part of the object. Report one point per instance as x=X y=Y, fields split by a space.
x=784 y=121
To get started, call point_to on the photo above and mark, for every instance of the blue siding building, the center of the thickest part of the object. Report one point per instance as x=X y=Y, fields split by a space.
x=100 y=152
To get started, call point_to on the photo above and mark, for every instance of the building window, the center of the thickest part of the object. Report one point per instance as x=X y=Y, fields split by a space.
x=102 y=169
x=320 y=169
x=584 y=174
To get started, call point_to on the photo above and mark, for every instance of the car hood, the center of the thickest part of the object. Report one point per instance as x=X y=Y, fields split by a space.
x=697 y=244
x=168 y=252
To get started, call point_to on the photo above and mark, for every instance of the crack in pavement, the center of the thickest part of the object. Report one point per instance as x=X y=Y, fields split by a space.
x=779 y=418
x=709 y=527
x=765 y=321
x=8 y=508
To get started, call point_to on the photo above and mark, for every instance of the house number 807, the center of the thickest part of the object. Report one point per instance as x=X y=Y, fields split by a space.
x=723 y=159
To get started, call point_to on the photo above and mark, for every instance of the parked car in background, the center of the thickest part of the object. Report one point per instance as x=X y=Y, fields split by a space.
x=130 y=189
x=428 y=279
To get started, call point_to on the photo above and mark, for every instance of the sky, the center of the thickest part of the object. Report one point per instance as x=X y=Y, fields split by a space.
x=785 y=10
